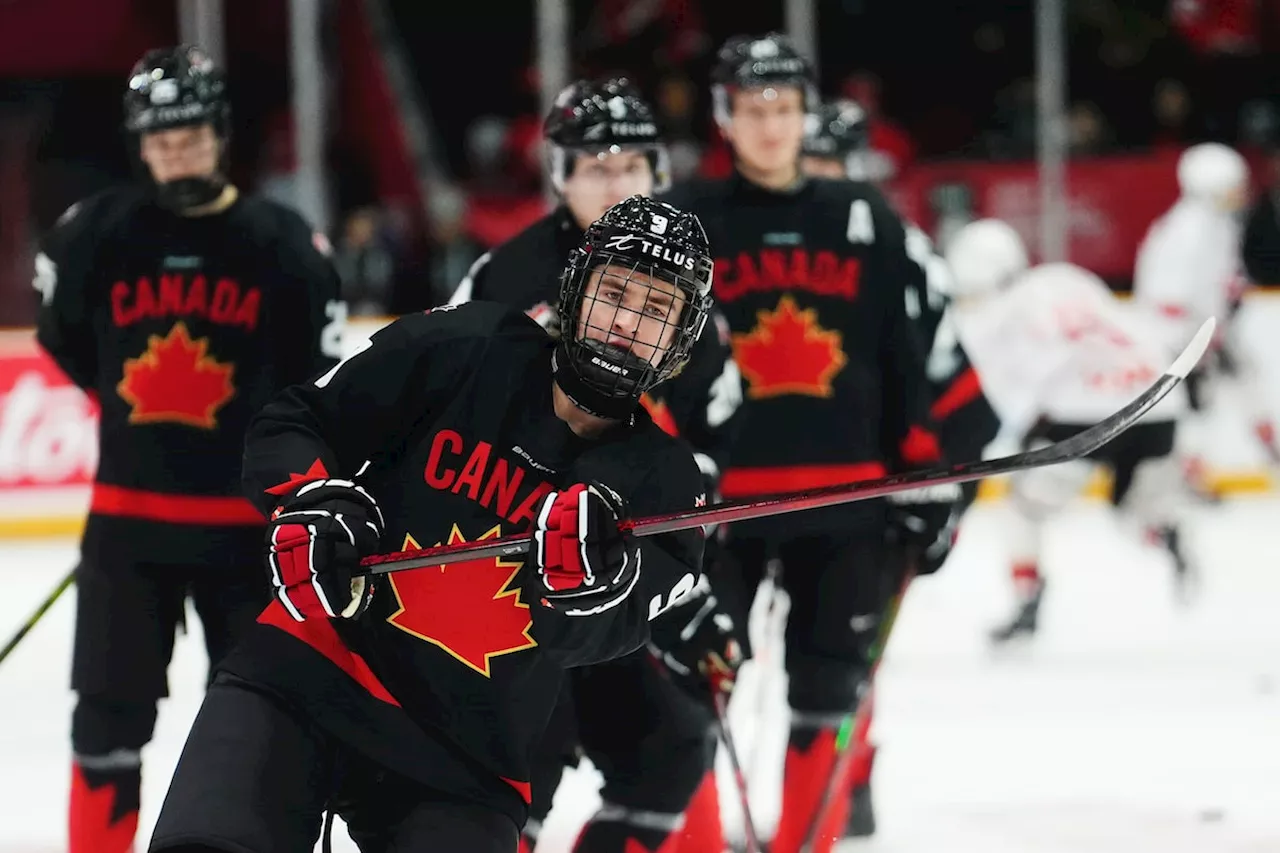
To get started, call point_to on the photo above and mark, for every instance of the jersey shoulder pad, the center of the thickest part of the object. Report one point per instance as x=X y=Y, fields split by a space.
x=273 y=220
x=844 y=191
x=473 y=320
x=537 y=241
x=525 y=269
x=692 y=194
x=90 y=219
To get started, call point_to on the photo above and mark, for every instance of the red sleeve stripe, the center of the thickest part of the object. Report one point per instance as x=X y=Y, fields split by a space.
x=964 y=390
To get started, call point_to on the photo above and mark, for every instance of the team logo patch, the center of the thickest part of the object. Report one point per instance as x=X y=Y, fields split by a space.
x=470 y=610
x=789 y=353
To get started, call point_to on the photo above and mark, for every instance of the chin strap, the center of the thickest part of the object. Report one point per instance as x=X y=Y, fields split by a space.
x=186 y=194
x=583 y=394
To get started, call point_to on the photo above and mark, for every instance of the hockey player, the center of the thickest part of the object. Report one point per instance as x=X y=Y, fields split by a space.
x=1189 y=268
x=604 y=144
x=810 y=274
x=181 y=306
x=1057 y=352
x=966 y=424
x=410 y=705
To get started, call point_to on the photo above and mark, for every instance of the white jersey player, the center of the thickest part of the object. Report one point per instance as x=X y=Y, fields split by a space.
x=1189 y=268
x=1057 y=352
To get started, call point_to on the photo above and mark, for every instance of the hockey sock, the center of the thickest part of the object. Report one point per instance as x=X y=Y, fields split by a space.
x=1026 y=580
x=614 y=829
x=104 y=804
x=861 y=821
x=702 y=830
x=811 y=756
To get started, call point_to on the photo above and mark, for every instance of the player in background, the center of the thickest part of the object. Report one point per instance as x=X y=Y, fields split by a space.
x=1189 y=268
x=965 y=420
x=410 y=704
x=810 y=274
x=966 y=424
x=604 y=145
x=180 y=306
x=1058 y=352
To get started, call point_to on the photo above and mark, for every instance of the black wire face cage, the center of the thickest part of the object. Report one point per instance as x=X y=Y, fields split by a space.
x=623 y=296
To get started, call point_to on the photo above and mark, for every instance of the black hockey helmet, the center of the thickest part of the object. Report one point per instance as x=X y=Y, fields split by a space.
x=179 y=87
x=608 y=116
x=650 y=240
x=760 y=62
x=841 y=130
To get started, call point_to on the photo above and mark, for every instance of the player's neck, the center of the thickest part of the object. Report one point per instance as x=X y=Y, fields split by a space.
x=583 y=424
x=777 y=180
x=224 y=200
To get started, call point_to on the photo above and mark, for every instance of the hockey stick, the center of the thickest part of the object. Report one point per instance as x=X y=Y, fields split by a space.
x=739 y=779
x=1072 y=448
x=40 y=611
x=845 y=750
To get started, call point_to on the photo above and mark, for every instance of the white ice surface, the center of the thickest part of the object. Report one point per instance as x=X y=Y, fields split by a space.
x=1130 y=725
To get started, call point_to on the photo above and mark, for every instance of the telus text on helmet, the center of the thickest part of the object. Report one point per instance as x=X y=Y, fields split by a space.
x=626 y=243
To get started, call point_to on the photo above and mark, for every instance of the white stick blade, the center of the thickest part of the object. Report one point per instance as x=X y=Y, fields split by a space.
x=1194 y=352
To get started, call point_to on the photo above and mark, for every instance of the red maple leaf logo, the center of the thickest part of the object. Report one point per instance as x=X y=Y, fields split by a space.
x=660 y=414
x=176 y=381
x=789 y=353
x=466 y=609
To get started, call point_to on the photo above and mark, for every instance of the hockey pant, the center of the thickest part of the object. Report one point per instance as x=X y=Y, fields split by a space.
x=1149 y=487
x=839 y=585
x=256 y=777
x=653 y=745
x=126 y=617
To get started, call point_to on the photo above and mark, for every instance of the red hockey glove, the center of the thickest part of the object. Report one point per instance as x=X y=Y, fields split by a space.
x=314 y=544
x=585 y=564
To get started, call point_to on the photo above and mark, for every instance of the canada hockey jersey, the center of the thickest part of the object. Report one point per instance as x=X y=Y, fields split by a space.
x=451 y=674
x=182 y=328
x=811 y=281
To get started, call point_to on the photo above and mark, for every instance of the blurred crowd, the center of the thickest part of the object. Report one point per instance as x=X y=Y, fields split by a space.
x=1143 y=75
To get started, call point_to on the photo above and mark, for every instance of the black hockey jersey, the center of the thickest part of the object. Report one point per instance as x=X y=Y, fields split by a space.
x=811 y=281
x=524 y=272
x=965 y=421
x=182 y=328
x=451 y=674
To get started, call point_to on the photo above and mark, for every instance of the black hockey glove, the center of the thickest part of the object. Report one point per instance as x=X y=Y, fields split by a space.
x=315 y=541
x=698 y=642
x=585 y=563
x=923 y=523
